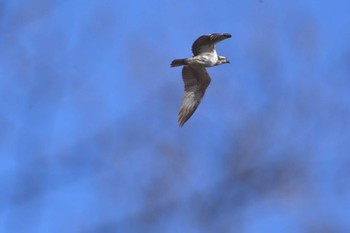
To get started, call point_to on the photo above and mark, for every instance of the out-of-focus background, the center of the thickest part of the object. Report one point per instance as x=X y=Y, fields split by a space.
x=88 y=135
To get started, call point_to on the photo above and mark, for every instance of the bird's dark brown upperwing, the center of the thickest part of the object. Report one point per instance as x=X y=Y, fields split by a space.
x=206 y=43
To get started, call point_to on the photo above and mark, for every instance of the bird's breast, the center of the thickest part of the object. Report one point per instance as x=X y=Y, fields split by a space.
x=209 y=59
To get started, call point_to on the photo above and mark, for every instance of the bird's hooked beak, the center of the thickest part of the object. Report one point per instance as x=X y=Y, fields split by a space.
x=223 y=60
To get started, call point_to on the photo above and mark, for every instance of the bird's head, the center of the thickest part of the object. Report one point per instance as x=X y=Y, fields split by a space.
x=222 y=60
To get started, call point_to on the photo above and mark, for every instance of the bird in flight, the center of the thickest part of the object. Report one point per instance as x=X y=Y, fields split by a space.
x=194 y=73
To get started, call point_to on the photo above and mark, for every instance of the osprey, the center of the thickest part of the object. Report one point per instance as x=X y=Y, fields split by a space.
x=194 y=73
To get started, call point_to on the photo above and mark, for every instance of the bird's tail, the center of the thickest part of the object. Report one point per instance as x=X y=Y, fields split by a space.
x=178 y=62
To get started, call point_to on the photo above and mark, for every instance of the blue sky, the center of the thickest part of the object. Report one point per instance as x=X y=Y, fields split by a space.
x=88 y=135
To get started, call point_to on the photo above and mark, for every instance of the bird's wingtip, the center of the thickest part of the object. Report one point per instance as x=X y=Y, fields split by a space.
x=181 y=121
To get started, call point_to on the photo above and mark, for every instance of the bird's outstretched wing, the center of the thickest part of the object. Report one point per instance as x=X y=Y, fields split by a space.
x=196 y=79
x=206 y=43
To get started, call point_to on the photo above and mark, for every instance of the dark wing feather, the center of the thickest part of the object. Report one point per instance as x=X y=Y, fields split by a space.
x=196 y=79
x=206 y=43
